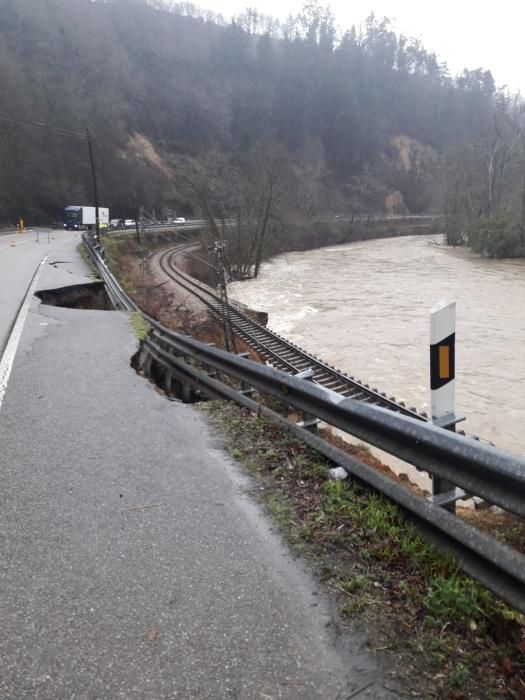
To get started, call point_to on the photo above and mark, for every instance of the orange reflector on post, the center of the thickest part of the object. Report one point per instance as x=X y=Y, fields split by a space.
x=444 y=362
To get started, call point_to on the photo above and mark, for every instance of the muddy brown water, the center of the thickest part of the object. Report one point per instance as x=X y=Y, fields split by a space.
x=364 y=307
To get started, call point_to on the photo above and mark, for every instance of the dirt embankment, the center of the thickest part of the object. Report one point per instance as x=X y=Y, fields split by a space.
x=163 y=299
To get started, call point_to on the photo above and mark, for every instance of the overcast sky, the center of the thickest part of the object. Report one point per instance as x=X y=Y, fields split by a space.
x=471 y=33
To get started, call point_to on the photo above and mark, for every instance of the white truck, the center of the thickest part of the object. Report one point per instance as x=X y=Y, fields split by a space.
x=76 y=218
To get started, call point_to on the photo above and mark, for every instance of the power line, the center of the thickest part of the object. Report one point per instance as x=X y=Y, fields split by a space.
x=196 y=257
x=190 y=240
x=41 y=125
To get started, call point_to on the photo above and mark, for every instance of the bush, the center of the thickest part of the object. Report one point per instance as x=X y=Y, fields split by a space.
x=498 y=237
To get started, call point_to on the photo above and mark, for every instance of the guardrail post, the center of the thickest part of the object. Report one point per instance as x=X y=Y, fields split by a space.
x=186 y=384
x=246 y=388
x=186 y=392
x=147 y=365
x=168 y=378
x=309 y=422
x=442 y=390
x=210 y=371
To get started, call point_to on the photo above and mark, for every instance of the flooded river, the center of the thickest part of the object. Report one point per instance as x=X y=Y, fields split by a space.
x=364 y=307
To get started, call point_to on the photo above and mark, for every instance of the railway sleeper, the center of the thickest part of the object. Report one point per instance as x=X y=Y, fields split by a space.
x=290 y=356
x=259 y=338
x=329 y=384
x=323 y=376
x=302 y=366
x=352 y=394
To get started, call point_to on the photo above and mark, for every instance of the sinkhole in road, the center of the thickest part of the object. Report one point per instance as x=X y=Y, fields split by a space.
x=91 y=295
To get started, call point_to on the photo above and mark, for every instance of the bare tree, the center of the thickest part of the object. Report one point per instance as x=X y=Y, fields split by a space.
x=499 y=144
x=240 y=199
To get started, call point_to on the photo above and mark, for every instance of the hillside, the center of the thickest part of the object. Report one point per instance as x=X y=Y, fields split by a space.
x=362 y=118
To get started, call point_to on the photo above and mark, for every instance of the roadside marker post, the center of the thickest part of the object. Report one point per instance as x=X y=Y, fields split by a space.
x=443 y=389
x=443 y=363
x=43 y=233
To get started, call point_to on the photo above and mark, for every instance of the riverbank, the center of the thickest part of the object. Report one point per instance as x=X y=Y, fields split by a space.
x=341 y=230
x=443 y=634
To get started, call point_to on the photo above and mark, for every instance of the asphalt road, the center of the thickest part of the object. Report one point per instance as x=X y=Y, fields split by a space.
x=134 y=562
x=19 y=262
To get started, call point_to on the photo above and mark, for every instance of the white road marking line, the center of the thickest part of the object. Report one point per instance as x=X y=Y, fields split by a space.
x=8 y=357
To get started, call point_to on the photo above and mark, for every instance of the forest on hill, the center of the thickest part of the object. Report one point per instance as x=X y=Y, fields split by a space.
x=262 y=121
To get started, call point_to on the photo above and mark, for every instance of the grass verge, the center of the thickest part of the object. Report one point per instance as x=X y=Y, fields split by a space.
x=140 y=325
x=86 y=257
x=447 y=636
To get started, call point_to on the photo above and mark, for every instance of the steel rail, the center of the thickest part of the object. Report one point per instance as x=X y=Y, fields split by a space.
x=196 y=288
x=276 y=349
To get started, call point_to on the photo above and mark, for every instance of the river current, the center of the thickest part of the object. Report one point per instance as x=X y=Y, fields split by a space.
x=364 y=307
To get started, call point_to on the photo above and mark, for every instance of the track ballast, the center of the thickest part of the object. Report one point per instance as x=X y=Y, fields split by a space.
x=276 y=350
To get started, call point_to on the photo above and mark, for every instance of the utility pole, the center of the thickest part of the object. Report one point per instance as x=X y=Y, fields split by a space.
x=95 y=189
x=522 y=222
x=229 y=336
x=142 y=222
x=138 y=224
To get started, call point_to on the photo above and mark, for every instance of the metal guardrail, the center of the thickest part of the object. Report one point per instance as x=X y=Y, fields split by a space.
x=480 y=469
x=118 y=297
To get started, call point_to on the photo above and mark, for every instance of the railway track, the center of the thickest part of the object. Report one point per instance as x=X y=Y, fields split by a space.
x=276 y=350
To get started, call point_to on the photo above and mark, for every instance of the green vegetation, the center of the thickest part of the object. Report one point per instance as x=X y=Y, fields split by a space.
x=453 y=596
x=140 y=325
x=447 y=633
x=499 y=237
x=377 y=517
x=111 y=247
x=86 y=257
